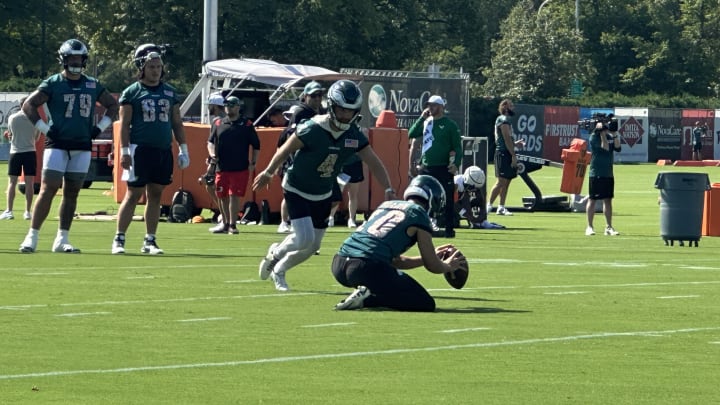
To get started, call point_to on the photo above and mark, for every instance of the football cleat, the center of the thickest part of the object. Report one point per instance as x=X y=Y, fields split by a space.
x=279 y=280
x=354 y=300
x=268 y=263
x=150 y=247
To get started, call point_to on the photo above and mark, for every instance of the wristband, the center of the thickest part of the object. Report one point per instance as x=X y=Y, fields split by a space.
x=264 y=173
x=104 y=123
x=125 y=151
x=183 y=148
x=389 y=190
x=42 y=126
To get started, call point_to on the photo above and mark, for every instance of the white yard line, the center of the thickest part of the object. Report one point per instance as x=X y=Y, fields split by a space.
x=84 y=314
x=325 y=325
x=671 y=297
x=217 y=318
x=566 y=293
x=321 y=356
x=462 y=330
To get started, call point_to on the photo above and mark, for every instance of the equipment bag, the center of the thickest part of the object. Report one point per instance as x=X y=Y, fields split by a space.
x=182 y=206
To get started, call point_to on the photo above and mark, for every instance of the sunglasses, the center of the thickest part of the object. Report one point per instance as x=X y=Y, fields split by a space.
x=315 y=95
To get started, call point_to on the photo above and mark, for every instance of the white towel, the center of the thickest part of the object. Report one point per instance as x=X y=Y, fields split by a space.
x=428 y=137
x=129 y=174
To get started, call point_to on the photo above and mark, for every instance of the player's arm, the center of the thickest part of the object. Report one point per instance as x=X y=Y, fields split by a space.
x=126 y=112
x=290 y=146
x=177 y=125
x=367 y=154
x=31 y=106
x=110 y=103
x=506 y=131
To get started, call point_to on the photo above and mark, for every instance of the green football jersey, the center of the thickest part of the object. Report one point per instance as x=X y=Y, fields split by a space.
x=151 y=123
x=71 y=104
x=384 y=235
x=499 y=139
x=601 y=160
x=316 y=165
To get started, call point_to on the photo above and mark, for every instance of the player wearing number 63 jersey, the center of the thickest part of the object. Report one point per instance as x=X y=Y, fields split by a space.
x=70 y=97
x=149 y=117
x=320 y=148
x=370 y=259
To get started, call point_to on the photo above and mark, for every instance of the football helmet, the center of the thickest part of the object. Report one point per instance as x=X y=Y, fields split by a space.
x=145 y=52
x=429 y=189
x=345 y=94
x=72 y=47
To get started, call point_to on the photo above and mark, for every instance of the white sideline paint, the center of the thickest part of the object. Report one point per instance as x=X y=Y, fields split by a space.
x=627 y=285
x=600 y=335
x=462 y=330
x=139 y=277
x=244 y=281
x=84 y=314
x=324 y=325
x=46 y=274
x=219 y=318
x=670 y=297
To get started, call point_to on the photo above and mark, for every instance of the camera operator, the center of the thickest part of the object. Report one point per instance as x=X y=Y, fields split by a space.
x=699 y=132
x=604 y=141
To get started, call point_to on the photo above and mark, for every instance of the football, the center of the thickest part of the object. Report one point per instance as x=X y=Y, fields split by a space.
x=459 y=276
x=474 y=176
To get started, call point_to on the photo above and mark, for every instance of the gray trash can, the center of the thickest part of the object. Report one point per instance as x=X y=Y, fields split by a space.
x=682 y=199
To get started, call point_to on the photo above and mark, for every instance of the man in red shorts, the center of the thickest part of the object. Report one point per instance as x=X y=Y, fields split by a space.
x=230 y=143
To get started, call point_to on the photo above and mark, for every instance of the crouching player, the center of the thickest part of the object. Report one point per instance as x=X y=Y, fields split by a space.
x=370 y=259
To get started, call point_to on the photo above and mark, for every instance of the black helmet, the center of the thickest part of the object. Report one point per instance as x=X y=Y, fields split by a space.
x=145 y=52
x=429 y=189
x=346 y=94
x=72 y=47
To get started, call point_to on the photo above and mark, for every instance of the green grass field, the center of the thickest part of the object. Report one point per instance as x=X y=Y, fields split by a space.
x=549 y=316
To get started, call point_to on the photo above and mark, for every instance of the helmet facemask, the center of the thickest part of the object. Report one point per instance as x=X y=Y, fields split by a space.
x=69 y=48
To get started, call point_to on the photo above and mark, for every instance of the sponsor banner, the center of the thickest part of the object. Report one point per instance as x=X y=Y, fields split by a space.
x=633 y=130
x=689 y=118
x=664 y=133
x=528 y=125
x=407 y=96
x=9 y=104
x=560 y=128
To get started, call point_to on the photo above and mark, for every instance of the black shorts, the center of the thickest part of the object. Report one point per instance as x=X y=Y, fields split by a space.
x=22 y=162
x=152 y=165
x=300 y=207
x=336 y=193
x=697 y=146
x=355 y=171
x=503 y=165
x=601 y=188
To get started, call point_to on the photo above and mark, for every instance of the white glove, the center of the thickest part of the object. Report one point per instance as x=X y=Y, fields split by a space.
x=183 y=157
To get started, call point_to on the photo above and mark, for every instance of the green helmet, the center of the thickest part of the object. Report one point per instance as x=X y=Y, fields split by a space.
x=429 y=189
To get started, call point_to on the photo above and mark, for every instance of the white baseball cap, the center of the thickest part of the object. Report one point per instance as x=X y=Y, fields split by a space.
x=216 y=99
x=436 y=100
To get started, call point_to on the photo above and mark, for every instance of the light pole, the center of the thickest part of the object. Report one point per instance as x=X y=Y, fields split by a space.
x=577 y=13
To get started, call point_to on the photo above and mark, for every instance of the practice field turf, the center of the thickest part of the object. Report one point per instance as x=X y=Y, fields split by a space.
x=548 y=316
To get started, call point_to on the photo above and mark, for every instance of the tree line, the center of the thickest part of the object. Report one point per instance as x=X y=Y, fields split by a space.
x=645 y=52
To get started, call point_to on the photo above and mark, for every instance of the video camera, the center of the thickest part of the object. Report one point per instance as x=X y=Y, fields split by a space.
x=608 y=120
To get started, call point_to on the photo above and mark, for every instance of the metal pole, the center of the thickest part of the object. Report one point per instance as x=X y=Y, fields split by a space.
x=577 y=17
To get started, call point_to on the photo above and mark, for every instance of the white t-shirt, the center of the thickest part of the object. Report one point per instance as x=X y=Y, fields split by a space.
x=23 y=133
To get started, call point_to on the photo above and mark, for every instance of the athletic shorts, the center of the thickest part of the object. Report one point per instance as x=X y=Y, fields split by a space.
x=336 y=193
x=300 y=207
x=231 y=183
x=697 y=146
x=503 y=165
x=22 y=162
x=601 y=188
x=355 y=171
x=152 y=165
x=66 y=161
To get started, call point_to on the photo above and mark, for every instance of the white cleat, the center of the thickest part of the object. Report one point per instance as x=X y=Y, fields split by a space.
x=610 y=231
x=63 y=246
x=354 y=300
x=118 y=246
x=268 y=262
x=589 y=231
x=29 y=244
x=279 y=280
x=150 y=247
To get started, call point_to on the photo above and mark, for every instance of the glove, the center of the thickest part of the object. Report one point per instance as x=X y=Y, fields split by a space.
x=183 y=157
x=95 y=132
